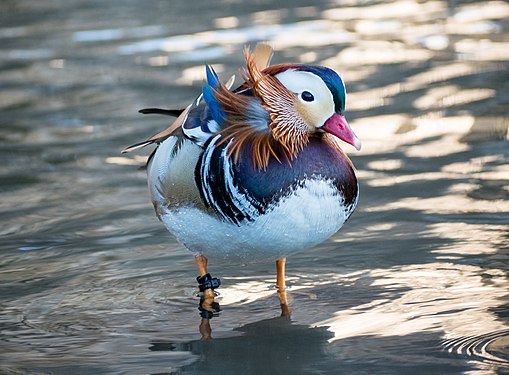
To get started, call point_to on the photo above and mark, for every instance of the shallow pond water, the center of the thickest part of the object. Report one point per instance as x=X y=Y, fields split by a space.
x=416 y=281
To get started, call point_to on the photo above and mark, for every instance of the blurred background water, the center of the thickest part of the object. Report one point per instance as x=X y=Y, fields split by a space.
x=416 y=282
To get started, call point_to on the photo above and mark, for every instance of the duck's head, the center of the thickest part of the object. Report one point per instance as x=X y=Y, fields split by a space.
x=319 y=100
x=302 y=101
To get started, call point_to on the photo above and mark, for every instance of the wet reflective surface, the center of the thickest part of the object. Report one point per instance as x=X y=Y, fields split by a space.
x=415 y=282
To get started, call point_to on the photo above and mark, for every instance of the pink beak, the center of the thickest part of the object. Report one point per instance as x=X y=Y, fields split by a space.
x=338 y=126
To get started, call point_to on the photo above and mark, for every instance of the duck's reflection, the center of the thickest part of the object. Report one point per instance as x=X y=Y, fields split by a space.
x=265 y=347
x=209 y=308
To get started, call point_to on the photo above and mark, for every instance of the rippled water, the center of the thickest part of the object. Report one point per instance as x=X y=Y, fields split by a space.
x=417 y=281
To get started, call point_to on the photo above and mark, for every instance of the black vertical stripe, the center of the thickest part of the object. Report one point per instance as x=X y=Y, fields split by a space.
x=211 y=178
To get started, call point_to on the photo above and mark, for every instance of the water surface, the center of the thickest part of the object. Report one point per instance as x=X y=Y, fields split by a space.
x=416 y=281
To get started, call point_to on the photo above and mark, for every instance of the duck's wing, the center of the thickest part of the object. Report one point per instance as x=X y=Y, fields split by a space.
x=161 y=136
x=215 y=109
x=197 y=120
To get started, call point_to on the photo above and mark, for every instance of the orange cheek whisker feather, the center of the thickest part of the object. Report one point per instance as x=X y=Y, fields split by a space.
x=286 y=133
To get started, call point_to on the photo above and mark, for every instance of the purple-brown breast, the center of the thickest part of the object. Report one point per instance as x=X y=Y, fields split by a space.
x=263 y=189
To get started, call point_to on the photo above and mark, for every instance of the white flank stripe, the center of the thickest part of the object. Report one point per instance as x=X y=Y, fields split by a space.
x=239 y=200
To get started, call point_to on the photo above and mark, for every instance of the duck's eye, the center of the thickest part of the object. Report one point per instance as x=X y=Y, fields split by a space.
x=307 y=96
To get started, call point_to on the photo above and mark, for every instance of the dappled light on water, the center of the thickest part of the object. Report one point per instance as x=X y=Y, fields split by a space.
x=416 y=281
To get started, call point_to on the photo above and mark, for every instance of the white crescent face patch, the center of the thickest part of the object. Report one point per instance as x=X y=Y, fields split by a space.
x=315 y=102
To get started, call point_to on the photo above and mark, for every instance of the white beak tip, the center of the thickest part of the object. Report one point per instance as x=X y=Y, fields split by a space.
x=357 y=144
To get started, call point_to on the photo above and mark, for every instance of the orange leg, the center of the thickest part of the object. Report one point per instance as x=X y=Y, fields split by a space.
x=201 y=262
x=208 y=294
x=281 y=287
x=207 y=299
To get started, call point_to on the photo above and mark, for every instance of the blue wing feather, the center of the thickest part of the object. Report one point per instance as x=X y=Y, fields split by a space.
x=212 y=78
x=209 y=96
x=214 y=106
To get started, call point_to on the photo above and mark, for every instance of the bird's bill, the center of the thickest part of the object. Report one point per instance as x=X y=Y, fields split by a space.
x=339 y=127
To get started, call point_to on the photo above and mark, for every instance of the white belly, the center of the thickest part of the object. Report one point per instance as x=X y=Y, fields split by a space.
x=309 y=216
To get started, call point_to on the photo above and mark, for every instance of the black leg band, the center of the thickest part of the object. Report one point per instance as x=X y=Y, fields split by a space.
x=207 y=282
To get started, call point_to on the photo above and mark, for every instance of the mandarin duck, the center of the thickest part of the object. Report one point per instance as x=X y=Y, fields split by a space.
x=255 y=173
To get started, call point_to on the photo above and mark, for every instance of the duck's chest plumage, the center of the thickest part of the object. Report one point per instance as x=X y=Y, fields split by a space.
x=232 y=209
